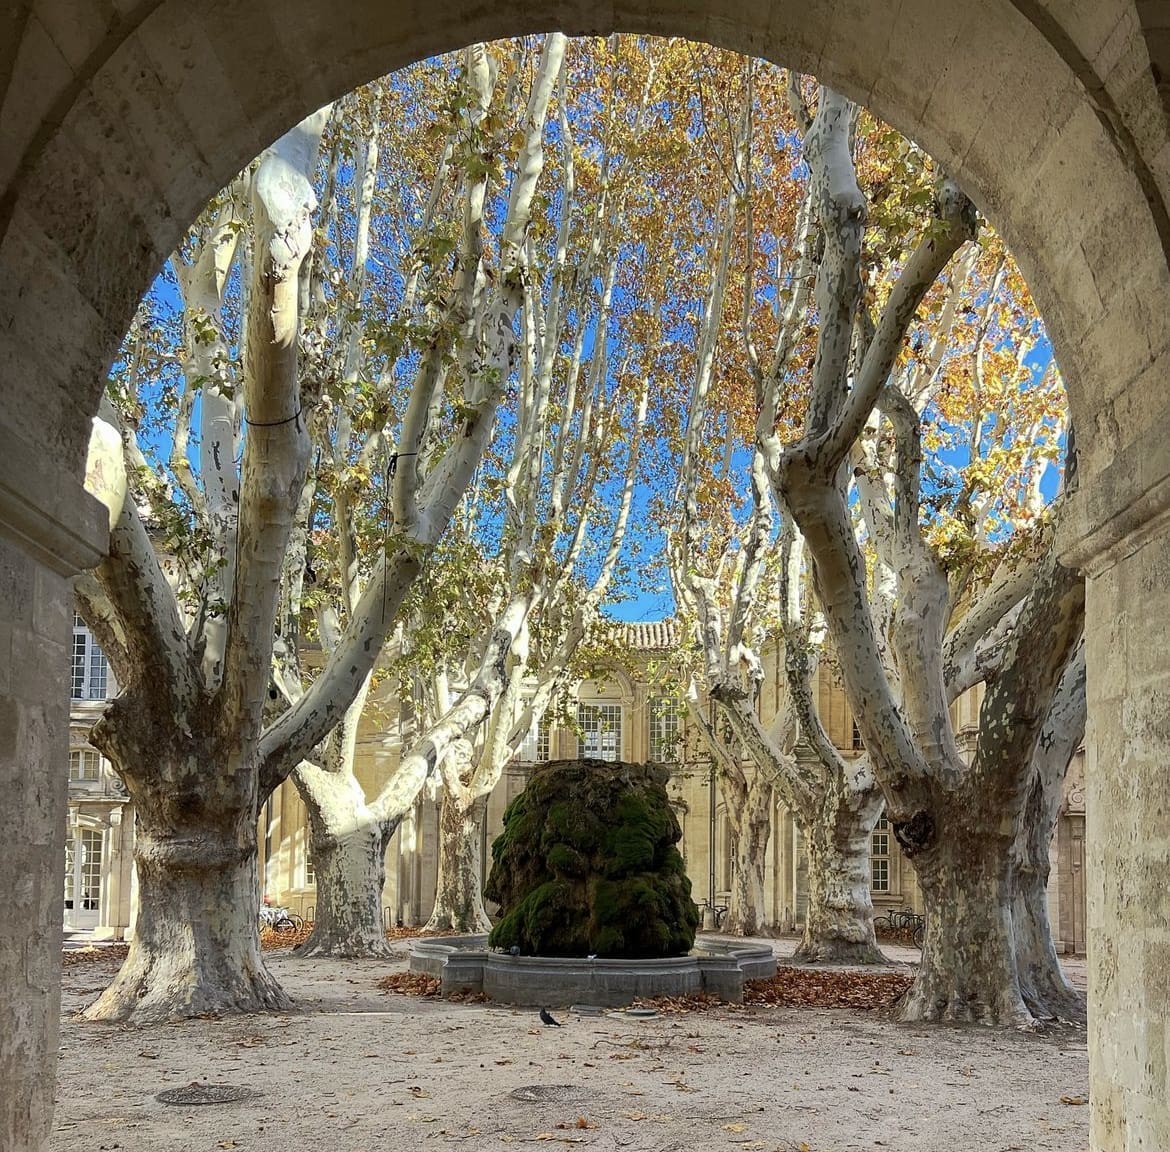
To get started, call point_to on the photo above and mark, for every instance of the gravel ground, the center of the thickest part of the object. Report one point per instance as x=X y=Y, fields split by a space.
x=354 y=1069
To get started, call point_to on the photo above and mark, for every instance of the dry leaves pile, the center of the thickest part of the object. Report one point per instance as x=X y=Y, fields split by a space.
x=417 y=933
x=674 y=1005
x=270 y=940
x=410 y=984
x=71 y=957
x=798 y=988
x=821 y=988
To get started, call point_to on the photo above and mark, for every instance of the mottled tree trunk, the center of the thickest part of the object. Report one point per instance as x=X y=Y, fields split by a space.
x=967 y=973
x=196 y=946
x=1045 y=989
x=746 y=915
x=838 y=926
x=748 y=794
x=348 y=846
x=459 y=890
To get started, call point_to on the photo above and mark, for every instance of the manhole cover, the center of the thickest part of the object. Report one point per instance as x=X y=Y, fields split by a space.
x=548 y=1094
x=196 y=1093
x=587 y=1009
x=641 y=1013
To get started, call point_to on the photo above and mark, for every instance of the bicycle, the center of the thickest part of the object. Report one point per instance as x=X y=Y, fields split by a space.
x=280 y=920
x=902 y=924
x=718 y=911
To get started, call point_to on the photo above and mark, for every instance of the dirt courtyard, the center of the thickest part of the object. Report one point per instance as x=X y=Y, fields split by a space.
x=355 y=1069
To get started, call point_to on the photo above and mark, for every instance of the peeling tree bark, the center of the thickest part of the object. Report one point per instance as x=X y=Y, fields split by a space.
x=1044 y=986
x=838 y=926
x=184 y=732
x=348 y=845
x=459 y=903
x=956 y=824
x=750 y=821
x=967 y=973
x=834 y=803
x=195 y=948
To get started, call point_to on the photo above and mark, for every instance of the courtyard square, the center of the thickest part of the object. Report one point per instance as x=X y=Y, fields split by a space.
x=353 y=1068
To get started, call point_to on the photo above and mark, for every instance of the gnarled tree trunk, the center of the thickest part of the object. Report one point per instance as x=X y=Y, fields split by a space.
x=838 y=926
x=459 y=892
x=967 y=973
x=196 y=946
x=348 y=845
x=749 y=813
x=1045 y=988
x=1043 y=984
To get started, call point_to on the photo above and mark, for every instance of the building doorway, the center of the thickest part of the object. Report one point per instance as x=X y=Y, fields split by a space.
x=83 y=878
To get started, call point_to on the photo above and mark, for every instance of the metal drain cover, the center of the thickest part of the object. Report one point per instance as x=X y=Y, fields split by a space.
x=549 y=1094
x=196 y=1093
x=587 y=1009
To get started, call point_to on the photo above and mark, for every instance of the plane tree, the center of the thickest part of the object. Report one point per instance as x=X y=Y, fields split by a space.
x=216 y=431
x=957 y=821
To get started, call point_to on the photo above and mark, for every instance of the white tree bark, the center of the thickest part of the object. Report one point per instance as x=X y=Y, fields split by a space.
x=834 y=805
x=348 y=846
x=955 y=825
x=183 y=734
x=554 y=502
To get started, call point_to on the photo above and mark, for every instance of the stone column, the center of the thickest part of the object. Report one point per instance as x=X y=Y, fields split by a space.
x=49 y=529
x=111 y=917
x=71 y=829
x=34 y=759
x=1128 y=842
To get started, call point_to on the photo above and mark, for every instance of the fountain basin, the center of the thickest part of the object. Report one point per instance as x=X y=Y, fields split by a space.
x=466 y=964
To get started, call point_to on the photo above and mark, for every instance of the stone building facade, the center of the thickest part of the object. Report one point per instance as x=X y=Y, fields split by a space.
x=621 y=715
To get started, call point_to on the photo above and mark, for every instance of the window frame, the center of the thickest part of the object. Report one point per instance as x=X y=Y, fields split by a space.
x=879 y=854
x=90 y=676
x=590 y=715
x=536 y=747
x=664 y=729
x=85 y=755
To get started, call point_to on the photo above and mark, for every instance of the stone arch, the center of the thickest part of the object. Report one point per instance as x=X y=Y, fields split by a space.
x=118 y=121
x=140 y=122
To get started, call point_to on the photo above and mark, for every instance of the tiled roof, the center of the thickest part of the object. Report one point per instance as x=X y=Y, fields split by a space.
x=647 y=636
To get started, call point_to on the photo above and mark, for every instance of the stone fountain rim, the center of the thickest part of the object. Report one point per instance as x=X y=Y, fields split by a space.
x=476 y=943
x=465 y=964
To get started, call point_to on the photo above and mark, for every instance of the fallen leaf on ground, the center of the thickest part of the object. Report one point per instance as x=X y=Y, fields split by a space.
x=410 y=984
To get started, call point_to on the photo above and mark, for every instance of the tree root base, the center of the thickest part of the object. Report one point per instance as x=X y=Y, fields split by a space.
x=913 y=1007
x=313 y=949
x=845 y=952
x=136 y=1001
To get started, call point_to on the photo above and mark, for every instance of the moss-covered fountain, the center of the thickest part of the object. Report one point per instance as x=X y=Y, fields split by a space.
x=595 y=903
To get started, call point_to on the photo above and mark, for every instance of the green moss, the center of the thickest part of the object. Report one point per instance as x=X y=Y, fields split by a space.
x=587 y=863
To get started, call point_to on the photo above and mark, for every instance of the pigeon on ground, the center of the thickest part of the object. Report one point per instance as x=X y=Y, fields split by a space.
x=546 y=1018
